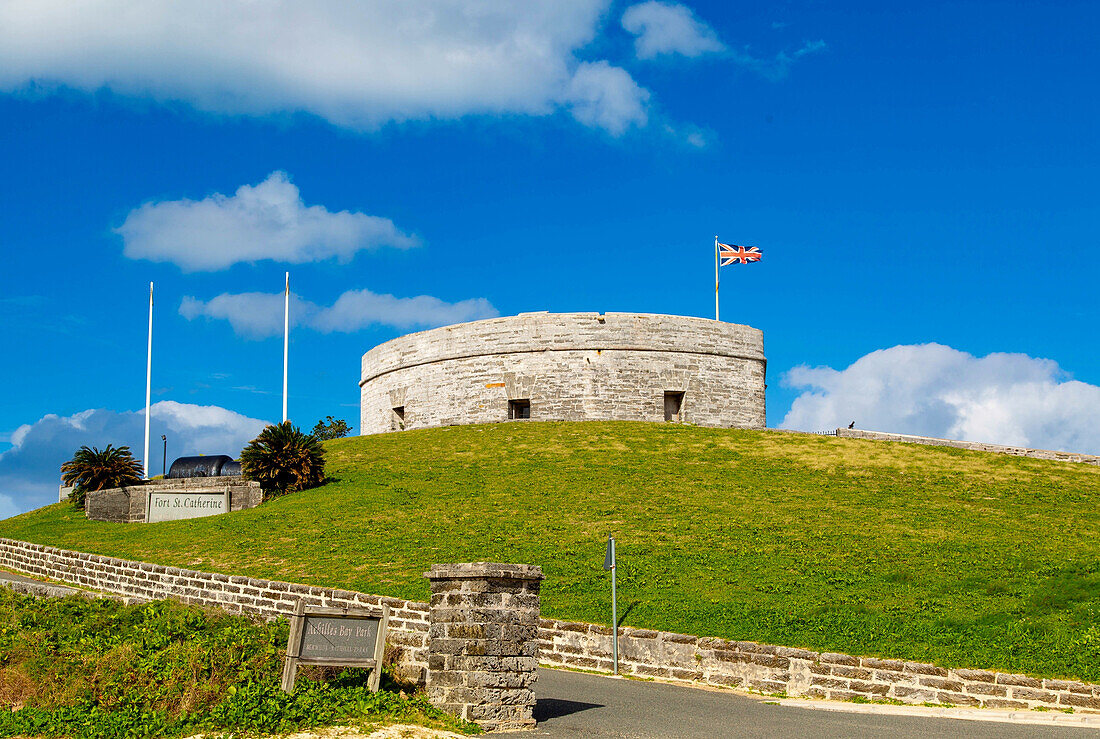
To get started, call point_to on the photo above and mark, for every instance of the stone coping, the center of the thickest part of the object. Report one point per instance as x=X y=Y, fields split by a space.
x=494 y=570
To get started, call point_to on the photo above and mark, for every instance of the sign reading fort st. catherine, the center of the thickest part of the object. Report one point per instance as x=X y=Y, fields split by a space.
x=178 y=505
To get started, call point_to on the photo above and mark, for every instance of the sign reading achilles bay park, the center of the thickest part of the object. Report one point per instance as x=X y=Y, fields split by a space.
x=341 y=637
x=174 y=505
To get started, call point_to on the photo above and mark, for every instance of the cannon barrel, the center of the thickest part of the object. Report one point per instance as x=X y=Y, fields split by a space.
x=214 y=465
x=232 y=468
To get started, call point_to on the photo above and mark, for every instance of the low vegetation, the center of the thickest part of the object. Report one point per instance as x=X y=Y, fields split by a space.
x=904 y=551
x=77 y=667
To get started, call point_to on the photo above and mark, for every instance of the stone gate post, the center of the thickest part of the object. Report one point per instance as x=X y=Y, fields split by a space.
x=483 y=642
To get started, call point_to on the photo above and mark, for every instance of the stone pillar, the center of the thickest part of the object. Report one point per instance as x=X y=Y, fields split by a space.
x=483 y=642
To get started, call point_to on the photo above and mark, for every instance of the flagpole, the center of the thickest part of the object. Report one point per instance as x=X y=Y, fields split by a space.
x=286 y=337
x=716 y=277
x=148 y=380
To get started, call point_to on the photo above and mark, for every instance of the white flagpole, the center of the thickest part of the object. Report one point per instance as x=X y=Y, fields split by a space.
x=716 y=277
x=148 y=380
x=286 y=337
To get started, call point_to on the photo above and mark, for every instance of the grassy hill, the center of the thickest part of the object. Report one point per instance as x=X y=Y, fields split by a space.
x=935 y=554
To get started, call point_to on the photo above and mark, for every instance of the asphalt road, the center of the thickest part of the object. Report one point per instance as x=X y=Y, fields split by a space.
x=574 y=704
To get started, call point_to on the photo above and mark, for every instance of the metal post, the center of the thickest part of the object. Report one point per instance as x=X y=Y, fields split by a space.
x=164 y=457
x=614 y=613
x=609 y=564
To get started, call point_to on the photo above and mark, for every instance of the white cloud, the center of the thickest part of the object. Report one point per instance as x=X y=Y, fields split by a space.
x=259 y=315
x=356 y=64
x=778 y=67
x=934 y=390
x=30 y=469
x=607 y=97
x=264 y=221
x=668 y=28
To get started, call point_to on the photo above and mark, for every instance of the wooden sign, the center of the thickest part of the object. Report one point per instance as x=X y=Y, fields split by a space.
x=339 y=637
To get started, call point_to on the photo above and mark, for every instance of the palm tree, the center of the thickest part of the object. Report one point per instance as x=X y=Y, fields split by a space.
x=92 y=469
x=283 y=459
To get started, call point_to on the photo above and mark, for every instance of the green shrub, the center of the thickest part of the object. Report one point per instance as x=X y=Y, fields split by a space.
x=331 y=428
x=283 y=459
x=92 y=469
x=80 y=667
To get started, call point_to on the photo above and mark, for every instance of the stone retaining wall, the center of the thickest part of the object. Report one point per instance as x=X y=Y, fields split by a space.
x=127 y=504
x=976 y=446
x=407 y=646
x=801 y=672
x=644 y=653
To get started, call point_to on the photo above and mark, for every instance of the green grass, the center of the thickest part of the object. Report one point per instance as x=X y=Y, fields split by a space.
x=79 y=667
x=897 y=550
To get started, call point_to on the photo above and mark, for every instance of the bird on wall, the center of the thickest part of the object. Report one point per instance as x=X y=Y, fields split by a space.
x=852 y=425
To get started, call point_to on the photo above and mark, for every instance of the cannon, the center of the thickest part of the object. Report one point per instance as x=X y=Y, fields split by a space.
x=232 y=468
x=216 y=465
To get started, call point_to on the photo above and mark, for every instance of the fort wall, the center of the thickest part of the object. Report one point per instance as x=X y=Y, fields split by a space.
x=567 y=367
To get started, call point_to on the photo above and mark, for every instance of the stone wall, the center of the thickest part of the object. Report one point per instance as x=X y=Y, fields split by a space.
x=976 y=446
x=407 y=645
x=570 y=367
x=801 y=672
x=483 y=642
x=644 y=653
x=127 y=504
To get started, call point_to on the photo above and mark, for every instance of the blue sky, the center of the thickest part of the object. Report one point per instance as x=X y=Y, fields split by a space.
x=921 y=177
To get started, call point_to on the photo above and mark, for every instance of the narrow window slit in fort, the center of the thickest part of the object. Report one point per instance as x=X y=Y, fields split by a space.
x=519 y=409
x=397 y=423
x=674 y=402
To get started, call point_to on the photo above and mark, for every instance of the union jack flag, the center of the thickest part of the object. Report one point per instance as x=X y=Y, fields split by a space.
x=738 y=254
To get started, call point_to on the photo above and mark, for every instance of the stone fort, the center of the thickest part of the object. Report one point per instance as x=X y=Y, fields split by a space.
x=567 y=367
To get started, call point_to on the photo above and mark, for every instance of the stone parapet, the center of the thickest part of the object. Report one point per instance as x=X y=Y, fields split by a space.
x=975 y=446
x=483 y=642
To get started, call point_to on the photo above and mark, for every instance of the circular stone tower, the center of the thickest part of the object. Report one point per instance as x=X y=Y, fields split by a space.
x=567 y=367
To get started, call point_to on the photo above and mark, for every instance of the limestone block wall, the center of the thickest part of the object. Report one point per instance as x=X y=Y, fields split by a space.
x=407 y=644
x=976 y=446
x=569 y=367
x=127 y=504
x=647 y=653
x=483 y=642
x=802 y=672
